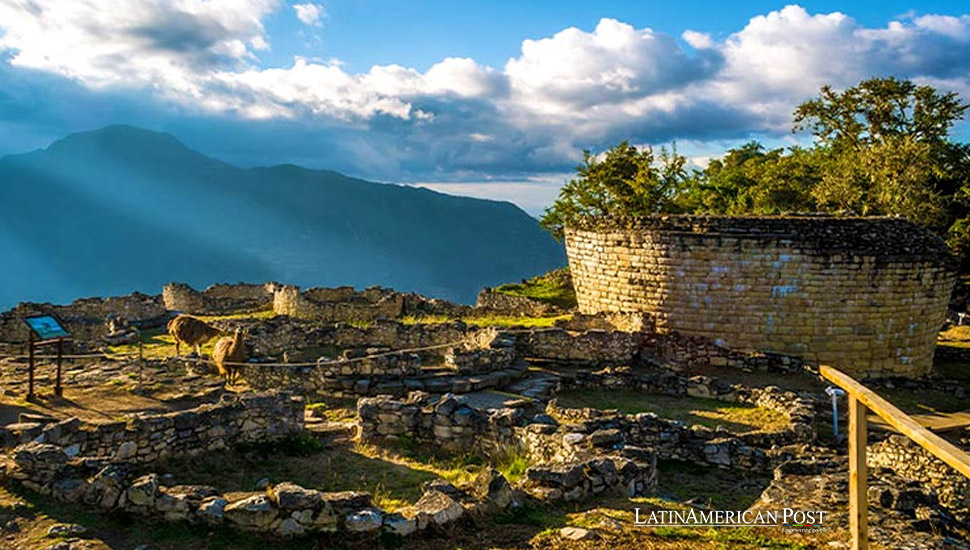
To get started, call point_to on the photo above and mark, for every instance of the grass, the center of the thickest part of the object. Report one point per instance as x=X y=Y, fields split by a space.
x=512 y=464
x=554 y=288
x=719 y=489
x=501 y=321
x=394 y=476
x=265 y=314
x=737 y=417
x=336 y=409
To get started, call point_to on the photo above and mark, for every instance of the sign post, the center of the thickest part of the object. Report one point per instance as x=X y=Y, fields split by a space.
x=45 y=330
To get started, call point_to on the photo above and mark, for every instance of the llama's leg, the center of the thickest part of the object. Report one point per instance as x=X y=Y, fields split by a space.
x=176 y=347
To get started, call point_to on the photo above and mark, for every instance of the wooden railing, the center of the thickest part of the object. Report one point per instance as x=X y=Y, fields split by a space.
x=860 y=399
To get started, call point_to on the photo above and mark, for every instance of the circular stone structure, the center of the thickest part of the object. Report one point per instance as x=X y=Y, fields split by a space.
x=865 y=295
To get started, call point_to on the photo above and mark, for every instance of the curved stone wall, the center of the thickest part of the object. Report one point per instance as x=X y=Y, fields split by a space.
x=866 y=295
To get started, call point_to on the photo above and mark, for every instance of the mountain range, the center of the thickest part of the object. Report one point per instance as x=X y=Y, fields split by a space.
x=121 y=209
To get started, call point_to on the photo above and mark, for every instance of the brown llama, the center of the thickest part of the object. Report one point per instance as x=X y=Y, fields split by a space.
x=191 y=331
x=228 y=355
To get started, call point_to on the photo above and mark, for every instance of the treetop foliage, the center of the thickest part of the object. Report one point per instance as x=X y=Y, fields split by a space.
x=882 y=147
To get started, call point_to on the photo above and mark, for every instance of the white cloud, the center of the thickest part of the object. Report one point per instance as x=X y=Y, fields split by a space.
x=562 y=93
x=699 y=40
x=310 y=14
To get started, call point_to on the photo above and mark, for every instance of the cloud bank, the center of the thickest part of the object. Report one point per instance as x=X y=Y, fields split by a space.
x=462 y=120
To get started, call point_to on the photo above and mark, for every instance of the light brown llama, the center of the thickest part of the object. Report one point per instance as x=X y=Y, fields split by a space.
x=228 y=353
x=191 y=331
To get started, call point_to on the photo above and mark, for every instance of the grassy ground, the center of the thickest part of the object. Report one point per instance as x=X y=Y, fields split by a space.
x=555 y=288
x=31 y=515
x=27 y=517
x=393 y=476
x=335 y=409
x=706 y=412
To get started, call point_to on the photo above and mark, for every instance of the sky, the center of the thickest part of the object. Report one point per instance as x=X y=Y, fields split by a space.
x=492 y=99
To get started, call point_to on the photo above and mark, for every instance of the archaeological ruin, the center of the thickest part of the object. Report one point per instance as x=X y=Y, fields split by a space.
x=865 y=295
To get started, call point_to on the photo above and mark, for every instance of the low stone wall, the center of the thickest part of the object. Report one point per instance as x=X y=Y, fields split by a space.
x=677 y=350
x=566 y=435
x=799 y=410
x=370 y=362
x=516 y=306
x=303 y=340
x=145 y=438
x=284 y=510
x=592 y=432
x=486 y=350
x=598 y=347
x=320 y=304
x=907 y=459
x=633 y=474
x=219 y=299
x=86 y=318
x=320 y=380
x=448 y=423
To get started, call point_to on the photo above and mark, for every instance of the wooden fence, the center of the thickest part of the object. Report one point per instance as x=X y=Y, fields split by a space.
x=862 y=398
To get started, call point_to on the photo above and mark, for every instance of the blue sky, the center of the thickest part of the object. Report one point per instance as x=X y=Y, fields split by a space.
x=494 y=99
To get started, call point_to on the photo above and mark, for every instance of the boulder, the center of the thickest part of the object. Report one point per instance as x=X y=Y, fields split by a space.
x=439 y=508
x=493 y=491
x=290 y=496
x=143 y=491
x=254 y=513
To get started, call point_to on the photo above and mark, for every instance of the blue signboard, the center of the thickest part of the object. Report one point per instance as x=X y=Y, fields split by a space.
x=46 y=327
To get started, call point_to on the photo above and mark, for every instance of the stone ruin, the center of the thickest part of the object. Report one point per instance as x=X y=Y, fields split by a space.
x=348 y=343
x=865 y=295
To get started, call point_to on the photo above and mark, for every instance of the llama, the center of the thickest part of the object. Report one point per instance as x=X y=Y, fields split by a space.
x=189 y=330
x=228 y=353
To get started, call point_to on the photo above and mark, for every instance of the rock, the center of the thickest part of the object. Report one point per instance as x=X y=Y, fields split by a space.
x=143 y=491
x=211 y=510
x=106 y=487
x=439 y=508
x=493 y=490
x=290 y=528
x=544 y=419
x=289 y=496
x=262 y=483
x=561 y=475
x=66 y=530
x=127 y=450
x=606 y=438
x=255 y=512
x=577 y=533
x=70 y=490
x=400 y=525
x=364 y=520
x=346 y=502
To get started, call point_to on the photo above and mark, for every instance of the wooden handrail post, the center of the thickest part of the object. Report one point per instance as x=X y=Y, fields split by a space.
x=858 y=486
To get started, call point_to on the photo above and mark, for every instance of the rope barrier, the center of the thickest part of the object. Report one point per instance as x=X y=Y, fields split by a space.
x=318 y=362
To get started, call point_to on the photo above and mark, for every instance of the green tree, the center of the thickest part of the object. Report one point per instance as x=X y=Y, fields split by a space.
x=624 y=181
x=884 y=149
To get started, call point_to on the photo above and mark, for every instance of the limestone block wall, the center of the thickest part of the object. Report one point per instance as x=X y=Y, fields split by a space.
x=866 y=295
